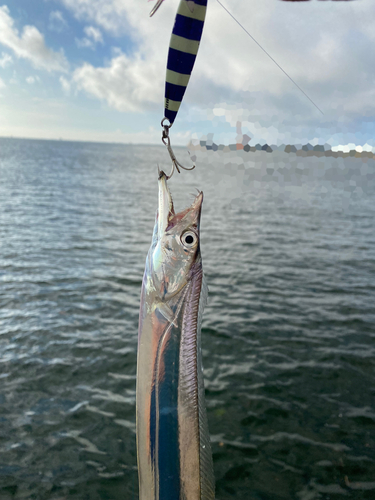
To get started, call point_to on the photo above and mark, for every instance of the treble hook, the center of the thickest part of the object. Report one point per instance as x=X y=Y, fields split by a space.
x=167 y=142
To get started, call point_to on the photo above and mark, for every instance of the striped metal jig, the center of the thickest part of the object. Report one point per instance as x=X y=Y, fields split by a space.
x=183 y=49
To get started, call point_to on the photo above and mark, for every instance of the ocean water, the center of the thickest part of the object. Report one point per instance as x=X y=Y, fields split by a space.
x=288 y=247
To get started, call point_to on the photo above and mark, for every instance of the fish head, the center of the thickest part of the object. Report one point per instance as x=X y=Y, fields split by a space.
x=175 y=250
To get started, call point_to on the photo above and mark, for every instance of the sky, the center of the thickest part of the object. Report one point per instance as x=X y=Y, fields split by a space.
x=94 y=70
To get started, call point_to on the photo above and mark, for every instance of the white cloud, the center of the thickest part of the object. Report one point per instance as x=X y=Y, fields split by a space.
x=14 y=79
x=57 y=22
x=65 y=85
x=93 y=33
x=319 y=54
x=32 y=79
x=85 y=43
x=93 y=36
x=2 y=84
x=5 y=60
x=126 y=84
x=30 y=45
x=129 y=82
x=111 y=15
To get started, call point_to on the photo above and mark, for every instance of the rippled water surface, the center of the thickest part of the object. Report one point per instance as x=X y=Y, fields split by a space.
x=288 y=248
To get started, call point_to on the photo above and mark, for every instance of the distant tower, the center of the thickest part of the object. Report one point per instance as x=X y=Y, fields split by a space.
x=241 y=139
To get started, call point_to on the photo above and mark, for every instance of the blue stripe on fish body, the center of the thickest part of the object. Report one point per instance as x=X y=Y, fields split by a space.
x=168 y=438
x=153 y=425
x=188 y=27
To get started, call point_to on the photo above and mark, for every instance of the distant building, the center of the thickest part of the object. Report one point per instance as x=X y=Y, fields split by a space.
x=241 y=139
x=267 y=148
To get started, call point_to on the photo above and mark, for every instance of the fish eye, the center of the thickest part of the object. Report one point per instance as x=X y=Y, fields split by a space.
x=189 y=239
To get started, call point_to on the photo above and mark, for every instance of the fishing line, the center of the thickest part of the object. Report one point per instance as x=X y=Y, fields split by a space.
x=269 y=55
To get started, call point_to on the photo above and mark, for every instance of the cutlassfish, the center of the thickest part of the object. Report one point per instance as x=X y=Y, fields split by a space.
x=173 y=445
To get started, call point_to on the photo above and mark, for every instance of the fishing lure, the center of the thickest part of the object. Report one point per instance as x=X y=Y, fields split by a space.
x=183 y=49
x=173 y=444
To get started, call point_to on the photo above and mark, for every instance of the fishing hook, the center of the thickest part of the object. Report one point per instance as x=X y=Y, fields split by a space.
x=167 y=142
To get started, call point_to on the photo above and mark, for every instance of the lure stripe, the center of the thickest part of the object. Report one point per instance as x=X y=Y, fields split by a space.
x=175 y=92
x=200 y=2
x=170 y=113
x=180 y=62
x=173 y=105
x=192 y=9
x=183 y=49
x=177 y=78
x=183 y=44
x=187 y=27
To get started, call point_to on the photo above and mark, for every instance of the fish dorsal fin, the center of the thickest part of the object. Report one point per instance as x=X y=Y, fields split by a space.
x=207 y=480
x=202 y=302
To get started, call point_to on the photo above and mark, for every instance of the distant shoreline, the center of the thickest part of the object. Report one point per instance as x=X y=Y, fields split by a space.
x=307 y=150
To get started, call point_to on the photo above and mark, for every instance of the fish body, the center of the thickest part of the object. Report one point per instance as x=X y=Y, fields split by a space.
x=173 y=446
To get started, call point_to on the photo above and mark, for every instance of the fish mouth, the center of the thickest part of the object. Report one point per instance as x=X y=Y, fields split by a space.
x=166 y=208
x=167 y=216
